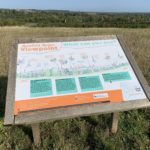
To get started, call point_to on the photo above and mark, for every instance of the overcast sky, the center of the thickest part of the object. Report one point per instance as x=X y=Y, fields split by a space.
x=80 y=5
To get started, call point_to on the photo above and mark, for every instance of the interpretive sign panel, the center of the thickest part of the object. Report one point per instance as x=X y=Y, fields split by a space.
x=68 y=73
x=78 y=71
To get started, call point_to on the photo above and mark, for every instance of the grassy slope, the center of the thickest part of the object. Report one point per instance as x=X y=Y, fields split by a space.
x=86 y=132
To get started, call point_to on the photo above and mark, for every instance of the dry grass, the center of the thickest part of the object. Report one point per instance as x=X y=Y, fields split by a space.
x=80 y=133
x=137 y=39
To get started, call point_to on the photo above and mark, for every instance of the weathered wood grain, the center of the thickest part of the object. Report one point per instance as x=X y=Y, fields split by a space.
x=36 y=133
x=10 y=98
x=76 y=111
x=115 y=120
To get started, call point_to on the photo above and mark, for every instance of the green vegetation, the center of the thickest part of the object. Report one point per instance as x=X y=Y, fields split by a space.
x=85 y=133
x=36 y=18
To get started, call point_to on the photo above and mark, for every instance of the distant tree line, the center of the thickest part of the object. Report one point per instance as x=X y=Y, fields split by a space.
x=73 y=19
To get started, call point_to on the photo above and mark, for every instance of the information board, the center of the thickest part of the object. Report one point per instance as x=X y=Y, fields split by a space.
x=58 y=74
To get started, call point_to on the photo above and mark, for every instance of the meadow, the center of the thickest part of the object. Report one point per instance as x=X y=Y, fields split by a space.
x=82 y=133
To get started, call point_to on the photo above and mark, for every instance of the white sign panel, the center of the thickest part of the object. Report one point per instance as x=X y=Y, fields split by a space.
x=96 y=69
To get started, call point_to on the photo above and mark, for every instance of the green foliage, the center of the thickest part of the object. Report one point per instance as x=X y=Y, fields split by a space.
x=13 y=138
x=71 y=19
x=89 y=133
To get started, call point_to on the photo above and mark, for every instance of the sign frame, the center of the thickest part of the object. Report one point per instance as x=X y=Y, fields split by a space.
x=32 y=117
x=69 y=111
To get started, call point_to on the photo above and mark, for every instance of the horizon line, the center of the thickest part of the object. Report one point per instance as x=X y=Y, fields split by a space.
x=81 y=11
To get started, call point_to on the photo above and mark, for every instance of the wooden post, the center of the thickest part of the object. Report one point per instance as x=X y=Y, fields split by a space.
x=115 y=119
x=36 y=133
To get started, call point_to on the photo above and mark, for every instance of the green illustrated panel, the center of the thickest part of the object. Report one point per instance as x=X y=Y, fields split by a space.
x=66 y=86
x=90 y=83
x=118 y=76
x=40 y=88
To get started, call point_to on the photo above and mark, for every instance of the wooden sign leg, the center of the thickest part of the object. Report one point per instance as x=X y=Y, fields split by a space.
x=36 y=133
x=115 y=119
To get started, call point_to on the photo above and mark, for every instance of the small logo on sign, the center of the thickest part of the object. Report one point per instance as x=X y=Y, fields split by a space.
x=138 y=89
x=100 y=95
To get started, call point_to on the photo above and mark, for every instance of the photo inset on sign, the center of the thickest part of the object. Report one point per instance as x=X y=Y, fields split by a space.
x=66 y=86
x=117 y=76
x=90 y=83
x=40 y=88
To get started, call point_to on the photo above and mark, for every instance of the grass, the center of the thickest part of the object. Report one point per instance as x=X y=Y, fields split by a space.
x=83 y=133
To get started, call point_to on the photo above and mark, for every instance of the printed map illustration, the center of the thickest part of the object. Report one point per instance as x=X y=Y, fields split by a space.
x=78 y=61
